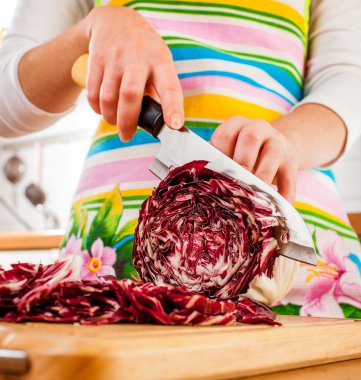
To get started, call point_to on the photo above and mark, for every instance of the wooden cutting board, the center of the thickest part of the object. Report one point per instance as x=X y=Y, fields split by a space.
x=59 y=351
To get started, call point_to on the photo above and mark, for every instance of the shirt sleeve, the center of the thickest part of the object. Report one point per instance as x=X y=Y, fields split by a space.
x=35 y=22
x=333 y=68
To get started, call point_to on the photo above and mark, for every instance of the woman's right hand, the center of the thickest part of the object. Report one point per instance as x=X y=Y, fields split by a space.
x=128 y=57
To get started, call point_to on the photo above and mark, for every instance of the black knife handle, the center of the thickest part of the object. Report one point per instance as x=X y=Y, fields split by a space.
x=151 y=116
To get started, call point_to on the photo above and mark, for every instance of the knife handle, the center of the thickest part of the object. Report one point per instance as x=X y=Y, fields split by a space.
x=151 y=114
x=14 y=362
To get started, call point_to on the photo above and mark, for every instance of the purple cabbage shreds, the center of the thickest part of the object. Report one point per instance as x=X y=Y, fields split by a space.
x=110 y=300
x=206 y=231
x=25 y=283
x=57 y=298
x=201 y=239
x=249 y=311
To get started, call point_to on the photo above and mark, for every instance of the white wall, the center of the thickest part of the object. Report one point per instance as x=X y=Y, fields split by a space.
x=7 y=9
x=348 y=176
x=53 y=159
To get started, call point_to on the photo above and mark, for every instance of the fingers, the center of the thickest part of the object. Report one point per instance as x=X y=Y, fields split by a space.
x=118 y=97
x=166 y=83
x=241 y=139
x=225 y=136
x=287 y=180
x=274 y=162
x=261 y=149
x=94 y=82
x=124 y=60
x=249 y=144
x=269 y=161
x=109 y=94
x=130 y=101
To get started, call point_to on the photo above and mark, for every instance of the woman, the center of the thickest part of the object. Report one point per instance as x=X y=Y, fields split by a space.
x=240 y=66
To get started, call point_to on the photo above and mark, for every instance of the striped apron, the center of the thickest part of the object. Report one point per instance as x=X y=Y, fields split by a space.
x=233 y=57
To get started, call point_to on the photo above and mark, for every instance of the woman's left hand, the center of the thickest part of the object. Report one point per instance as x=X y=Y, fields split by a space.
x=262 y=149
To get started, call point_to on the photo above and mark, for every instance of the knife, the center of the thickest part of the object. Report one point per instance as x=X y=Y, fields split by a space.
x=179 y=147
x=13 y=362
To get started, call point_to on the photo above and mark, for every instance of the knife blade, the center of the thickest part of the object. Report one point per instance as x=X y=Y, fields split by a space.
x=179 y=147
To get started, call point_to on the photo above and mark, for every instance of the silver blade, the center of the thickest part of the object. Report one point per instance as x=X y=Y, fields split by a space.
x=180 y=147
x=159 y=169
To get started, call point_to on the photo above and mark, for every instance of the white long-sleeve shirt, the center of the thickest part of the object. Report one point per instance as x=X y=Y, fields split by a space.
x=333 y=68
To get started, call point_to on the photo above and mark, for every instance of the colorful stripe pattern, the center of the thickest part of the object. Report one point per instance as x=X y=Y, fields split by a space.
x=233 y=57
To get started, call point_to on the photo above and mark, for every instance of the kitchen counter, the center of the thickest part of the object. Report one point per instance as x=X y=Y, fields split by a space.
x=59 y=351
x=16 y=241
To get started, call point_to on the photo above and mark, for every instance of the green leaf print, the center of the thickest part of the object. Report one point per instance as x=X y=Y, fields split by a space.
x=83 y=228
x=123 y=244
x=289 y=309
x=314 y=238
x=74 y=229
x=124 y=265
x=106 y=221
x=350 y=311
x=126 y=230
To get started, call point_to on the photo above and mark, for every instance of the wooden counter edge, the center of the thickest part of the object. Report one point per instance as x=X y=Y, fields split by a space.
x=11 y=241
x=355 y=220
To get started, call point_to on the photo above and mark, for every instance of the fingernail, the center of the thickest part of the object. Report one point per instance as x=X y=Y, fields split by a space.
x=176 y=121
x=124 y=138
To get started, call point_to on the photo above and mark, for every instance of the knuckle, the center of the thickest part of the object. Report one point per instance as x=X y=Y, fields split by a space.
x=130 y=92
x=138 y=48
x=250 y=137
x=96 y=55
x=107 y=99
x=93 y=97
x=117 y=52
x=224 y=133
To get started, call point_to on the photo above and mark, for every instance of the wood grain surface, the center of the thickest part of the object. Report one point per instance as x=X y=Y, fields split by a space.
x=355 y=220
x=59 y=351
x=345 y=370
x=17 y=241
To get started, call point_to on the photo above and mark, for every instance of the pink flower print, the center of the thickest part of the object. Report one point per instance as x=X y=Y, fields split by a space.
x=73 y=247
x=336 y=279
x=100 y=263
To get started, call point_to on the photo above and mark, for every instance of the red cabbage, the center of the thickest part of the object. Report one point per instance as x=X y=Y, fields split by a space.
x=205 y=231
x=108 y=300
x=250 y=311
x=202 y=237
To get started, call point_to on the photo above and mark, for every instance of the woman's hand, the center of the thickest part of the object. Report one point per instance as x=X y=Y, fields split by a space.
x=262 y=149
x=128 y=57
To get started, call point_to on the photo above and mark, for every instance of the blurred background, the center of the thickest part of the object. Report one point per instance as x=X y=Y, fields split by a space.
x=39 y=172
